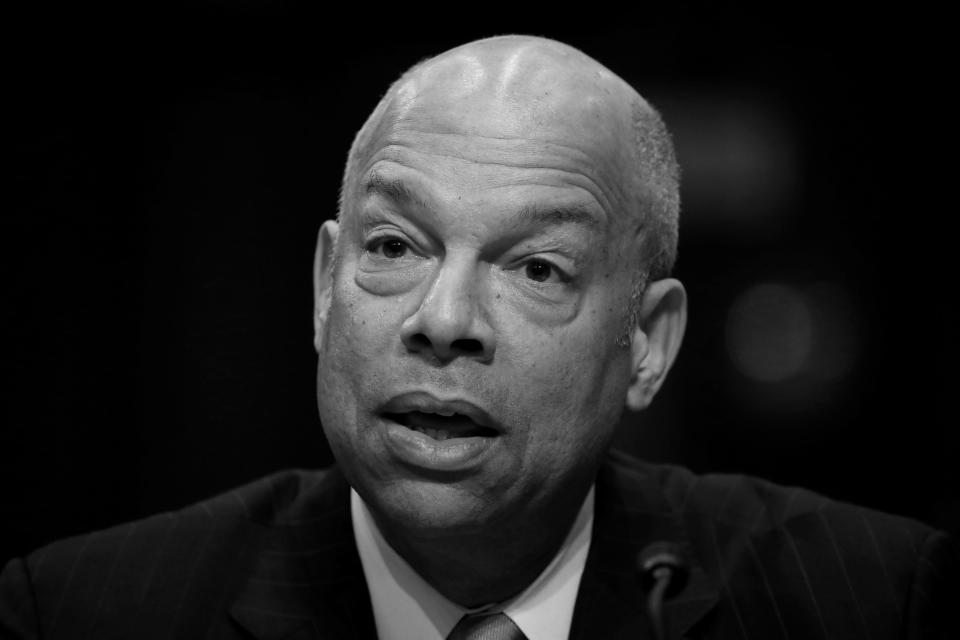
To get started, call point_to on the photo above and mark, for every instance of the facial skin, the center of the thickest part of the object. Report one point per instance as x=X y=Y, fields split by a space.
x=484 y=262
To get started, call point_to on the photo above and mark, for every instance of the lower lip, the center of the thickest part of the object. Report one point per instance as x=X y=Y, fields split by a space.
x=420 y=450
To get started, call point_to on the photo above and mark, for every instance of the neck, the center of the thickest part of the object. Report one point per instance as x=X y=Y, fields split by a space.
x=475 y=569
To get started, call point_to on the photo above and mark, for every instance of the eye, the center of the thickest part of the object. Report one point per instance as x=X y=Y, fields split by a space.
x=390 y=248
x=539 y=270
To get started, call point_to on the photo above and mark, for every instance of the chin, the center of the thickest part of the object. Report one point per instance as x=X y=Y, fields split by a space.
x=430 y=509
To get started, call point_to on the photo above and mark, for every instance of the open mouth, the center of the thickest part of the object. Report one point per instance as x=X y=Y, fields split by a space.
x=427 y=432
x=439 y=426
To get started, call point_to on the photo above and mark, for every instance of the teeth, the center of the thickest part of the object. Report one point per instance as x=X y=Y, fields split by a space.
x=436 y=434
x=441 y=426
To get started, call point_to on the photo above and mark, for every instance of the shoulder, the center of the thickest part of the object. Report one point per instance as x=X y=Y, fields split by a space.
x=757 y=506
x=149 y=566
x=794 y=553
x=228 y=517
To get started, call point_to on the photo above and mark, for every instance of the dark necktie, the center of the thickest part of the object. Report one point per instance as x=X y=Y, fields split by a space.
x=497 y=626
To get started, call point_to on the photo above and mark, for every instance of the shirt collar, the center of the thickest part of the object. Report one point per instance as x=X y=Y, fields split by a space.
x=406 y=606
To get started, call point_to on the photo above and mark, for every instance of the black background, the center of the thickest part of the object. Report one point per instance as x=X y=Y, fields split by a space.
x=171 y=167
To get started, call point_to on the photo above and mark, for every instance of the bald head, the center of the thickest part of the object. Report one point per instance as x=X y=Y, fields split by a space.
x=536 y=90
x=520 y=87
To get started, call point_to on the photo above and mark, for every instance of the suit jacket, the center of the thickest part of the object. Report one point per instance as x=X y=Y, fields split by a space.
x=276 y=559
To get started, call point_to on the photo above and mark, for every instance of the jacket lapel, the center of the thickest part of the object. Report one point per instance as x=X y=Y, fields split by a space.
x=632 y=512
x=307 y=580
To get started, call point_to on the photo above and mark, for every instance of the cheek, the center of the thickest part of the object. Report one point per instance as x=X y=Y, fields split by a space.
x=356 y=338
x=576 y=378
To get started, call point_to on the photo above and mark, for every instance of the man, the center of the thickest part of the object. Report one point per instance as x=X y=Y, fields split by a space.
x=494 y=292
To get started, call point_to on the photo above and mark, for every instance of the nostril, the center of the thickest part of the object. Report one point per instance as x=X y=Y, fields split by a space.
x=419 y=341
x=467 y=345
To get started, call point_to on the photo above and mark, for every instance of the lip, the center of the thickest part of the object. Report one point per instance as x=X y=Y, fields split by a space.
x=419 y=450
x=429 y=403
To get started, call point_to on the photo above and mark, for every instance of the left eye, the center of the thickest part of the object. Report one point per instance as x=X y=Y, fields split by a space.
x=539 y=270
x=391 y=248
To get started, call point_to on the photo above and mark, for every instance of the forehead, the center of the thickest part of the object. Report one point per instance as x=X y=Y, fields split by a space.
x=501 y=206
x=432 y=169
x=510 y=118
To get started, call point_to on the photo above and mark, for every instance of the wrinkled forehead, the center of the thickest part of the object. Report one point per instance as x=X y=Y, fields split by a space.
x=522 y=89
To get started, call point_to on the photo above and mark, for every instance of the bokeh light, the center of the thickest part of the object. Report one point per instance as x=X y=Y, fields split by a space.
x=783 y=333
x=770 y=332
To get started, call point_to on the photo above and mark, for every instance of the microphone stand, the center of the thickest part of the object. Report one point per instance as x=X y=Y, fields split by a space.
x=663 y=572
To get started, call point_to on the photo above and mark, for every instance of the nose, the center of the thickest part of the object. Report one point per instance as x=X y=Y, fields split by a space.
x=450 y=321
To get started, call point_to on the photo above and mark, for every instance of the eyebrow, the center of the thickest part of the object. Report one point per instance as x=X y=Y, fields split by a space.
x=392 y=188
x=555 y=215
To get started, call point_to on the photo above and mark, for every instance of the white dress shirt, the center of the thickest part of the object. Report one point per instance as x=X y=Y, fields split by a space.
x=405 y=607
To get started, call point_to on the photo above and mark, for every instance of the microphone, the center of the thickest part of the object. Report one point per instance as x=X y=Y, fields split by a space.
x=663 y=574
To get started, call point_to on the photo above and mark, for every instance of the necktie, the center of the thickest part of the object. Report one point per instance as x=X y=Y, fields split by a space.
x=497 y=626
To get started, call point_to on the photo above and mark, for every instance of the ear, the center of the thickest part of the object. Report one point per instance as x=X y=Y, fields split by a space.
x=323 y=277
x=656 y=340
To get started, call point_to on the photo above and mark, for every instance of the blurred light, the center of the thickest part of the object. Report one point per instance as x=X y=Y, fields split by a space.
x=836 y=344
x=770 y=332
x=777 y=333
x=739 y=159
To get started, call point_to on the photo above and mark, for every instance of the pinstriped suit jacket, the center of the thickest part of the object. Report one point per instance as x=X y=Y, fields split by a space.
x=276 y=559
